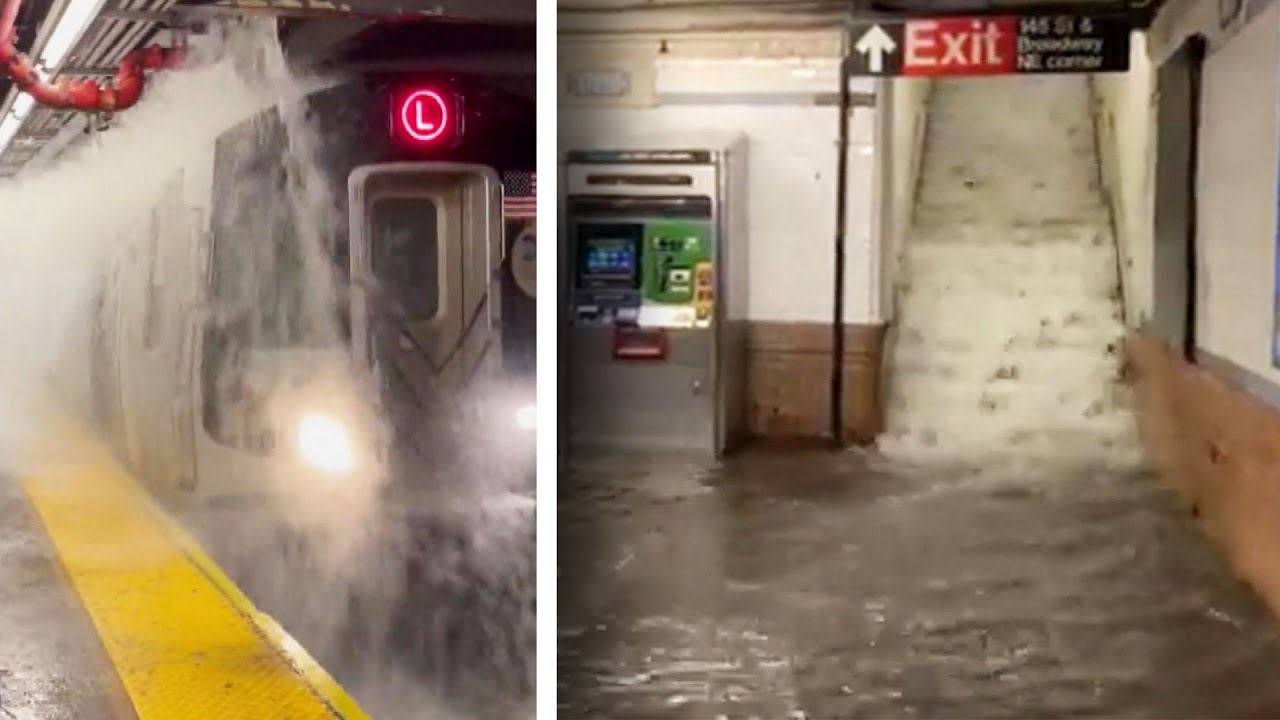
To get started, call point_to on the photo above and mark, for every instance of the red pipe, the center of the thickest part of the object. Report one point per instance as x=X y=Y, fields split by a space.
x=122 y=92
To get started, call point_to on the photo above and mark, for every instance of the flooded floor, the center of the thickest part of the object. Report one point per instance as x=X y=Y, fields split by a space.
x=825 y=585
x=421 y=614
x=52 y=664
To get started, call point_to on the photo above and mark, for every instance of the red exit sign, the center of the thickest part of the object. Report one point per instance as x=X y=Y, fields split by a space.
x=991 y=45
x=960 y=46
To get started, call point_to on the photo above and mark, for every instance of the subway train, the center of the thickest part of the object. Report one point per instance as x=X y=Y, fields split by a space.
x=345 y=284
x=320 y=349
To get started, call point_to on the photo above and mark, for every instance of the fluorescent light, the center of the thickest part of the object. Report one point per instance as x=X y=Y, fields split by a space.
x=22 y=106
x=12 y=122
x=71 y=25
x=9 y=127
x=74 y=20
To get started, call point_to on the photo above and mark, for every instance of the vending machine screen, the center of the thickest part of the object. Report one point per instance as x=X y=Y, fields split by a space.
x=609 y=257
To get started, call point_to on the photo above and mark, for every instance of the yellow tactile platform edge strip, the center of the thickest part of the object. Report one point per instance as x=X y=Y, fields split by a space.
x=185 y=642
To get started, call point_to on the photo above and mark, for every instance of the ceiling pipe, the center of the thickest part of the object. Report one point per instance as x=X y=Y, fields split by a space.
x=87 y=95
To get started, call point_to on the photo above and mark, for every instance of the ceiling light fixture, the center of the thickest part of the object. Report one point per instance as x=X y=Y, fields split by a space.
x=71 y=25
x=22 y=106
x=9 y=127
x=76 y=17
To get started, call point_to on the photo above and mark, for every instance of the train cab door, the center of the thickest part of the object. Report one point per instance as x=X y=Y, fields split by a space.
x=425 y=249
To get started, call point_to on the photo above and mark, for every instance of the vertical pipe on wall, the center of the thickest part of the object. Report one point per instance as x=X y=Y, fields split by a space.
x=1197 y=50
x=837 y=319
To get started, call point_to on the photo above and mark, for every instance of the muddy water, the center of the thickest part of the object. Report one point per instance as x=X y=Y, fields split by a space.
x=832 y=585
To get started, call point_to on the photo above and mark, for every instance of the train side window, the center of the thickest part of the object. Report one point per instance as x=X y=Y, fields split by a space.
x=405 y=250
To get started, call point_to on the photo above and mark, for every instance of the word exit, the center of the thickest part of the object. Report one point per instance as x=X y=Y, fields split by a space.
x=960 y=47
x=957 y=46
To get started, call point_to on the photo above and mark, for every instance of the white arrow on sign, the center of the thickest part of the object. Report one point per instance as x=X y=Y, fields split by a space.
x=875 y=43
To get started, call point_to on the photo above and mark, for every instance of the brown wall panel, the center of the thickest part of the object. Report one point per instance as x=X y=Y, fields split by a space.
x=789 y=380
x=1220 y=448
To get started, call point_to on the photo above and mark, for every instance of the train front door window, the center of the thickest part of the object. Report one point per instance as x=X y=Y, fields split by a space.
x=405 y=251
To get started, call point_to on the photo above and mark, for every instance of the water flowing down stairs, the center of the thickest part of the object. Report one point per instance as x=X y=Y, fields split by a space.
x=1009 y=314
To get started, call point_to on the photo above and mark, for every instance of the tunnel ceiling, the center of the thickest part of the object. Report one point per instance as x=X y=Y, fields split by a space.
x=314 y=31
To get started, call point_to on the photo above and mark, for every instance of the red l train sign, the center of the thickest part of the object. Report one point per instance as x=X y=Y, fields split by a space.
x=995 y=45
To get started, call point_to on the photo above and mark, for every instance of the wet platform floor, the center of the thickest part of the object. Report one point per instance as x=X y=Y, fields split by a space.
x=52 y=665
x=835 y=585
x=416 y=613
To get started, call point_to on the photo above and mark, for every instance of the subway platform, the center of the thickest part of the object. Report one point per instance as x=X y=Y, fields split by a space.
x=109 y=609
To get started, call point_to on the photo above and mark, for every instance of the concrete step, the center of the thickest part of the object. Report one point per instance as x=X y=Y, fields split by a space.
x=996 y=259
x=1073 y=440
x=991 y=393
x=1032 y=320
x=934 y=213
x=1025 y=363
x=968 y=335
x=948 y=186
x=1060 y=287
x=1038 y=231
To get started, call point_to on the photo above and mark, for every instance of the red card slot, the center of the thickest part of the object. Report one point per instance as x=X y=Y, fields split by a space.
x=632 y=344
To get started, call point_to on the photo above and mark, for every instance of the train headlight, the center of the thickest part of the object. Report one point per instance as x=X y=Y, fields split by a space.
x=527 y=417
x=325 y=444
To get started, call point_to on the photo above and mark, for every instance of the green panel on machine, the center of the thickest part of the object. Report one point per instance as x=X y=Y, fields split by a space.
x=672 y=253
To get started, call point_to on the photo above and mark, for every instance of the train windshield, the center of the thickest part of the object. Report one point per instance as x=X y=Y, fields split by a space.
x=405 y=250
x=273 y=256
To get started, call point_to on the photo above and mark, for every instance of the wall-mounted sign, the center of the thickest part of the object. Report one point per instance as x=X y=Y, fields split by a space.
x=997 y=45
x=599 y=83
x=524 y=260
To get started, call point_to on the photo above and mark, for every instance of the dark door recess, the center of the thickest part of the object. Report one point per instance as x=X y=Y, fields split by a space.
x=1173 y=309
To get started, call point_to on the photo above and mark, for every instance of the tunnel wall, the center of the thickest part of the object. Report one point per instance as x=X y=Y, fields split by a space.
x=1236 y=187
x=1217 y=445
x=1126 y=125
x=1212 y=423
x=781 y=90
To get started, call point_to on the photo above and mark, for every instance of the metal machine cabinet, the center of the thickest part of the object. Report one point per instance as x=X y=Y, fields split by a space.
x=654 y=340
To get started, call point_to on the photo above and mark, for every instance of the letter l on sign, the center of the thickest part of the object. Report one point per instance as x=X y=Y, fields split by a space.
x=421 y=124
x=424 y=115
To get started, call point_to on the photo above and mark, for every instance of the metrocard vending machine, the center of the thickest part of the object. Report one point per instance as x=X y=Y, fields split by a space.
x=655 y=336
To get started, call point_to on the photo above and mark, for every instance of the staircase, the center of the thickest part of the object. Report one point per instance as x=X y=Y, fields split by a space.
x=1009 y=329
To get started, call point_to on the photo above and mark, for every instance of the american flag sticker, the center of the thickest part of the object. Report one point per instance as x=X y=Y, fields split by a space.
x=519 y=195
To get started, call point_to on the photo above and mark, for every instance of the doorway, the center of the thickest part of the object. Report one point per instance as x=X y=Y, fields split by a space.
x=1178 y=85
